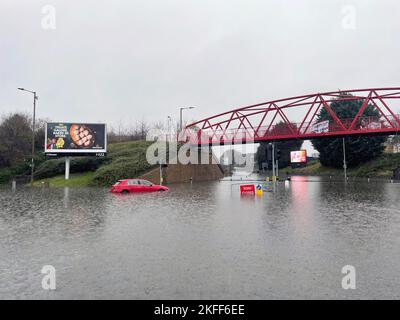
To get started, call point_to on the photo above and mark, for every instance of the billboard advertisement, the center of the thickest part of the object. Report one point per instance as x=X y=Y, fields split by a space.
x=75 y=138
x=320 y=127
x=298 y=156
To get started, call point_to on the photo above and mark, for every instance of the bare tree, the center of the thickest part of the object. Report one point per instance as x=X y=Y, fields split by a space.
x=143 y=129
x=132 y=132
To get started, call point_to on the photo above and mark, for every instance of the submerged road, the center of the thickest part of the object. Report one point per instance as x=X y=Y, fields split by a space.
x=202 y=241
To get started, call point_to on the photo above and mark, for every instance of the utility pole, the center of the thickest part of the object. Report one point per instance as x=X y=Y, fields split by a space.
x=168 y=135
x=33 y=136
x=344 y=161
x=273 y=161
x=35 y=97
x=180 y=117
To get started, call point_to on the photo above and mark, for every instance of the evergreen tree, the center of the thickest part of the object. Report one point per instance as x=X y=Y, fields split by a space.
x=285 y=147
x=359 y=149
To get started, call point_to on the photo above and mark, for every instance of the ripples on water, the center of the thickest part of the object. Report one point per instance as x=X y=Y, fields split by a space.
x=202 y=241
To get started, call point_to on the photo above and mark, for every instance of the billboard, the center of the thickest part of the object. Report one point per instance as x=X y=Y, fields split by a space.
x=75 y=138
x=298 y=156
x=320 y=127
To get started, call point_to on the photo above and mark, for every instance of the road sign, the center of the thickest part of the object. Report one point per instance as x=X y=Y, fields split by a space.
x=259 y=190
x=247 y=189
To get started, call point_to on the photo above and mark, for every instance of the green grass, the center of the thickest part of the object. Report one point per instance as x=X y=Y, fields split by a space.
x=76 y=180
x=126 y=159
x=313 y=168
x=380 y=167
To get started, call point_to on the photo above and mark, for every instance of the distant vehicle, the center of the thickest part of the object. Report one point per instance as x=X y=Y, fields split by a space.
x=136 y=185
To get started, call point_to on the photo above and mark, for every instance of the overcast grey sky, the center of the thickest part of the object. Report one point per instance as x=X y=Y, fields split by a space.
x=112 y=61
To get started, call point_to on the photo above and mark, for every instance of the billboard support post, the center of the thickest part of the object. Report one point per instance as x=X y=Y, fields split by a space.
x=67 y=167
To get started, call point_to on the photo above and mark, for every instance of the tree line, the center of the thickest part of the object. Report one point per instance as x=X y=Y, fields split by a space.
x=16 y=137
x=359 y=149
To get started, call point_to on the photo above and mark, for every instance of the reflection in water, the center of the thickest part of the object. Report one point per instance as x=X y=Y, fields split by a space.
x=301 y=203
x=66 y=197
x=202 y=240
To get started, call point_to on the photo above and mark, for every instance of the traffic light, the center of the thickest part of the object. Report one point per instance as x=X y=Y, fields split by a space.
x=278 y=154
x=269 y=152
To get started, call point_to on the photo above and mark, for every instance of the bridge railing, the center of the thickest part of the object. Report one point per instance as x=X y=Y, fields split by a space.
x=363 y=125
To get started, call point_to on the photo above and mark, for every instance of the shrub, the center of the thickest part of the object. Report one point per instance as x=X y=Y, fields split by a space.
x=5 y=175
x=54 y=167
x=123 y=168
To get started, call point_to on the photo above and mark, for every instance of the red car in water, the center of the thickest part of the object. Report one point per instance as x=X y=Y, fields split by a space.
x=136 y=185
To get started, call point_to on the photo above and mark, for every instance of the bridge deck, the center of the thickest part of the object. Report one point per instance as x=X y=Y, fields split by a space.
x=269 y=121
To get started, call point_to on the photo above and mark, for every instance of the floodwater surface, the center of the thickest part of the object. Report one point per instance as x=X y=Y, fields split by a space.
x=202 y=241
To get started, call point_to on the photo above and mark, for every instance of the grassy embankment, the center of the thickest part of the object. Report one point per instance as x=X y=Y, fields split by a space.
x=381 y=167
x=129 y=160
x=83 y=179
x=123 y=160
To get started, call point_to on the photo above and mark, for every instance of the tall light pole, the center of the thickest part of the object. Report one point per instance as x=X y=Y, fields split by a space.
x=180 y=116
x=273 y=161
x=344 y=160
x=35 y=97
x=169 y=119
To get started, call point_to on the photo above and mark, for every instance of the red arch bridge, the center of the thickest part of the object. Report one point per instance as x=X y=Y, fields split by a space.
x=296 y=118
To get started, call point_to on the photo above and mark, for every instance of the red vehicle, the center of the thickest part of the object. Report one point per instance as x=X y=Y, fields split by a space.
x=136 y=185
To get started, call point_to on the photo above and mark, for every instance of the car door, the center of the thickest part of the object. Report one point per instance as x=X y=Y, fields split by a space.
x=133 y=186
x=147 y=186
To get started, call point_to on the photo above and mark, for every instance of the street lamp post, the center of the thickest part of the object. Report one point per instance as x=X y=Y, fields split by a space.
x=180 y=116
x=169 y=128
x=273 y=161
x=35 y=97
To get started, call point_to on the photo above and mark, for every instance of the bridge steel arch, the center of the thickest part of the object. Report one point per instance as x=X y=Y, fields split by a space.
x=258 y=122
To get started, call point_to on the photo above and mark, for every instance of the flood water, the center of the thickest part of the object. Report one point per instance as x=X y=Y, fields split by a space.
x=202 y=241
